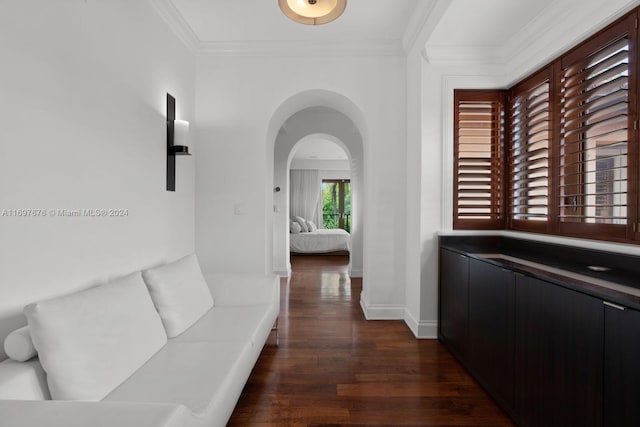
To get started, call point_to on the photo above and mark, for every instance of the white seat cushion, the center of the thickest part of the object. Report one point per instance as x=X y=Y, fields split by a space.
x=90 y=341
x=241 y=323
x=23 y=381
x=179 y=293
x=206 y=377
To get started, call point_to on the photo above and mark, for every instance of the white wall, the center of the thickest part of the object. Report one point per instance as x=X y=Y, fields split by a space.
x=413 y=242
x=236 y=102
x=335 y=174
x=338 y=168
x=83 y=114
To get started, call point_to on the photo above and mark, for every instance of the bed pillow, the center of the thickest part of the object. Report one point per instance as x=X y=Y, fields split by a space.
x=90 y=341
x=179 y=292
x=294 y=227
x=18 y=345
x=311 y=226
x=303 y=224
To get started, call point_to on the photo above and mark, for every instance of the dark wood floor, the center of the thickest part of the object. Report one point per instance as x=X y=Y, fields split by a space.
x=332 y=367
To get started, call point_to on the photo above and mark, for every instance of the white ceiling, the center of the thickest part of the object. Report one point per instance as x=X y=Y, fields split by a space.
x=375 y=26
x=485 y=22
x=262 y=20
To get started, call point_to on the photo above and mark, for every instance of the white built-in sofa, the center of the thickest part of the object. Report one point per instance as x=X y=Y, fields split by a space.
x=163 y=347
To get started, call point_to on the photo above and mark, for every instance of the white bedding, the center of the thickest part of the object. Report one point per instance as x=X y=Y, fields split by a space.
x=320 y=241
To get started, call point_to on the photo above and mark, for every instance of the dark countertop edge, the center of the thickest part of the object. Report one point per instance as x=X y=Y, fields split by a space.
x=600 y=292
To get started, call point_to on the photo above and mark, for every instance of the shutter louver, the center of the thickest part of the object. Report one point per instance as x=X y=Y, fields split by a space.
x=594 y=137
x=530 y=126
x=478 y=160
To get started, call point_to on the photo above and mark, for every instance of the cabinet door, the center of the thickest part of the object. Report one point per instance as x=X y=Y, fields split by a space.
x=559 y=355
x=621 y=367
x=453 y=310
x=491 y=329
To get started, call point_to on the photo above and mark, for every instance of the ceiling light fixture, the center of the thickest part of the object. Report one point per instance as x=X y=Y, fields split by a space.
x=313 y=12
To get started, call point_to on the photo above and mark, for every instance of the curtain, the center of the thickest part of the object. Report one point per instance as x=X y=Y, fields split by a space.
x=306 y=195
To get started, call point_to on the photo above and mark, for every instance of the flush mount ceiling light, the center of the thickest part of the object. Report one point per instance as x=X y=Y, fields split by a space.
x=313 y=12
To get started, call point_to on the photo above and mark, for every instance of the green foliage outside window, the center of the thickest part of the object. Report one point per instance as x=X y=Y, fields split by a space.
x=332 y=200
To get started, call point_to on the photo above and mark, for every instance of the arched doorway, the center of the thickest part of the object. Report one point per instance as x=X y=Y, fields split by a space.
x=328 y=118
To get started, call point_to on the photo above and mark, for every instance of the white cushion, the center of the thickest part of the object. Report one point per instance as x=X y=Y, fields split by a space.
x=303 y=223
x=90 y=341
x=206 y=377
x=294 y=227
x=23 y=381
x=179 y=292
x=248 y=323
x=18 y=345
x=311 y=226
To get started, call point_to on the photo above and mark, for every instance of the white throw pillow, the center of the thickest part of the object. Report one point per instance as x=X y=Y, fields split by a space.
x=179 y=292
x=312 y=227
x=303 y=224
x=294 y=227
x=18 y=345
x=90 y=341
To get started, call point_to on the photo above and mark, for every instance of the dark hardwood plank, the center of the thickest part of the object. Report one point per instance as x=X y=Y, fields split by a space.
x=332 y=367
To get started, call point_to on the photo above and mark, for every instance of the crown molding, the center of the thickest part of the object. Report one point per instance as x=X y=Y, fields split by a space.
x=423 y=21
x=559 y=19
x=301 y=48
x=181 y=28
x=177 y=24
x=556 y=29
x=460 y=55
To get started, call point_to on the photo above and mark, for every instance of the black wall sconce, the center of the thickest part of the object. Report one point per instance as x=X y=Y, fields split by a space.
x=177 y=132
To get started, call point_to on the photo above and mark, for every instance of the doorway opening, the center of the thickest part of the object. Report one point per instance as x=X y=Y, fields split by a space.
x=336 y=130
x=320 y=197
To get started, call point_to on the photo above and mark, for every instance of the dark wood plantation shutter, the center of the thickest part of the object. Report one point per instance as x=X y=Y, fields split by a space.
x=595 y=135
x=530 y=137
x=478 y=151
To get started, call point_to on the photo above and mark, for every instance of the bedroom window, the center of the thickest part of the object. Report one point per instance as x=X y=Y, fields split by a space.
x=336 y=204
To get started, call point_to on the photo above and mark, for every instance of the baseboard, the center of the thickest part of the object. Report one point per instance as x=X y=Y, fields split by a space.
x=422 y=329
x=381 y=312
x=282 y=272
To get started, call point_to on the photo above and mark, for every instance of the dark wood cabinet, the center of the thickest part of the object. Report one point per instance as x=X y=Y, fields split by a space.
x=621 y=366
x=453 y=314
x=491 y=329
x=552 y=348
x=559 y=355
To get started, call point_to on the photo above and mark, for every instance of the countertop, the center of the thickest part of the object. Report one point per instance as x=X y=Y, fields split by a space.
x=611 y=277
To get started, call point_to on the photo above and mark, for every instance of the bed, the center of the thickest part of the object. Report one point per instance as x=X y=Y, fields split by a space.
x=321 y=241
